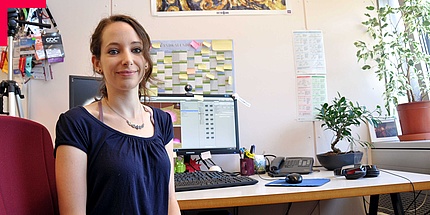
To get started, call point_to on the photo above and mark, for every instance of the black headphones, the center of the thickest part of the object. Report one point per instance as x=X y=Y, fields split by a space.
x=371 y=171
x=357 y=172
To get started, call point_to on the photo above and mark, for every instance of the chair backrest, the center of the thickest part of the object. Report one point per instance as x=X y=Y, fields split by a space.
x=27 y=168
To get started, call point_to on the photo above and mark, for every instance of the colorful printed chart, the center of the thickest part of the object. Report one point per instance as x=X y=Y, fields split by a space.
x=311 y=73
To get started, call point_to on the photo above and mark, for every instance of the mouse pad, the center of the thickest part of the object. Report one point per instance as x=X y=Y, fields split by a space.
x=314 y=182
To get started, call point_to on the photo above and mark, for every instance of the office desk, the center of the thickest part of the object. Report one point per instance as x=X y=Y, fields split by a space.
x=338 y=187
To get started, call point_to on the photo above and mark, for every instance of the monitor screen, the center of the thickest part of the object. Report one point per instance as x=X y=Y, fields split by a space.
x=202 y=123
x=83 y=89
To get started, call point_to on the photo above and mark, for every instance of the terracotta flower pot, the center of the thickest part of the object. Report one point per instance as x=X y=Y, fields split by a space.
x=414 y=120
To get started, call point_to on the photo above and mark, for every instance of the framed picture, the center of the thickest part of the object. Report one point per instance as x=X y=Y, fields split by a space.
x=216 y=7
x=387 y=130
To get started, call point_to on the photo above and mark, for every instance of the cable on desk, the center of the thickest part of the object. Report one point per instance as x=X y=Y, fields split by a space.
x=314 y=169
x=231 y=173
x=266 y=179
x=268 y=161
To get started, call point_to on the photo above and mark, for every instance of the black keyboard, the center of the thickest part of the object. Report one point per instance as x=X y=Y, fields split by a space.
x=208 y=180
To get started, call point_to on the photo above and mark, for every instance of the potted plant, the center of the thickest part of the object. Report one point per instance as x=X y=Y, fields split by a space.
x=398 y=57
x=339 y=116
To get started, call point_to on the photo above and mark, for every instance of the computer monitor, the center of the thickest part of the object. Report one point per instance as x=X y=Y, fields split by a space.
x=202 y=123
x=83 y=89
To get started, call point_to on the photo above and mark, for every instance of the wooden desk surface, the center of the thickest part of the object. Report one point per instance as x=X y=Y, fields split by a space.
x=338 y=187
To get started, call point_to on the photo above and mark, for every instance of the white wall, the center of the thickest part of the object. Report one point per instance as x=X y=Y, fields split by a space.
x=264 y=64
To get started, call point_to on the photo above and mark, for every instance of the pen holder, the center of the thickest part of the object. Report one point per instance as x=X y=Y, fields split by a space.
x=247 y=166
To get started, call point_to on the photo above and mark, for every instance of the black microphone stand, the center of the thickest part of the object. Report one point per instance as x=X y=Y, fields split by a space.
x=10 y=87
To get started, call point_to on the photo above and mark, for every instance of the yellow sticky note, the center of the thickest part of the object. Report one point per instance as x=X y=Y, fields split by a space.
x=168 y=59
x=156 y=45
x=228 y=66
x=201 y=66
x=154 y=70
x=220 y=57
x=205 y=50
x=219 y=68
x=210 y=76
x=191 y=71
x=230 y=80
x=183 y=76
x=199 y=97
x=207 y=44
x=222 y=45
x=153 y=91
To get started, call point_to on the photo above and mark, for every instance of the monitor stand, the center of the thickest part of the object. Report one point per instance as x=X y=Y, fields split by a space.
x=187 y=159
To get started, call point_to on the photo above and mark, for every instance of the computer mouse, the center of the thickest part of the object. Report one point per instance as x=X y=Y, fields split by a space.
x=215 y=168
x=294 y=178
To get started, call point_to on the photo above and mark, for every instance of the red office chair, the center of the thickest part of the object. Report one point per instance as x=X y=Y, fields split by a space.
x=27 y=169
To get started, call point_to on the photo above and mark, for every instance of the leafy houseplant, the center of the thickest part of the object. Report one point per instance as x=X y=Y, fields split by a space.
x=339 y=116
x=396 y=54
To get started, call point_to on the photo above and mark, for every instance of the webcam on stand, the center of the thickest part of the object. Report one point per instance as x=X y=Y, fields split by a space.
x=188 y=88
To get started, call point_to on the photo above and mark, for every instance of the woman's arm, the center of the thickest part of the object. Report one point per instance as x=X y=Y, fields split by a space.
x=173 y=203
x=71 y=174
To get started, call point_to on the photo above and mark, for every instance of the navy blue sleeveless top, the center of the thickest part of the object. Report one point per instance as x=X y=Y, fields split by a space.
x=126 y=174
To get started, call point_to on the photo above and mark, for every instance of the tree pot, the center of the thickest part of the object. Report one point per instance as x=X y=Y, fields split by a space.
x=331 y=161
x=414 y=120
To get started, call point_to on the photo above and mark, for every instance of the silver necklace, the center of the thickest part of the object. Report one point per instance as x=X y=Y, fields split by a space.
x=135 y=126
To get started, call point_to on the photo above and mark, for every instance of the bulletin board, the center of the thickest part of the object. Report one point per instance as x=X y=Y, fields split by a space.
x=206 y=65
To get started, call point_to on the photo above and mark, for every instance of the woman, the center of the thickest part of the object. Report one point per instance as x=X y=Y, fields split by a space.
x=114 y=156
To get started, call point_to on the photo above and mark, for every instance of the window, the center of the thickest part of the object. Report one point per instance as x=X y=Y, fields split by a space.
x=423 y=43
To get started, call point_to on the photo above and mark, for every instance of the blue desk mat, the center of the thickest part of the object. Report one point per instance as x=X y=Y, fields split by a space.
x=314 y=182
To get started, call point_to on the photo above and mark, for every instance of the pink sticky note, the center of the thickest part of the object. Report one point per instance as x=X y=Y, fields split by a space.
x=191 y=71
x=195 y=44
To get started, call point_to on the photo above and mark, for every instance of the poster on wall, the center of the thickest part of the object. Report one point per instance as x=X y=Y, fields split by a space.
x=217 y=7
x=310 y=66
x=206 y=65
x=309 y=54
x=311 y=93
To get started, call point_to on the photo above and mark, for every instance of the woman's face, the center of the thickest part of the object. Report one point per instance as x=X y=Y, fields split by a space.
x=121 y=59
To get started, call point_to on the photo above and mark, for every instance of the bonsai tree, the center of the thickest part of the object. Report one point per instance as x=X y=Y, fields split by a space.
x=340 y=115
x=396 y=53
